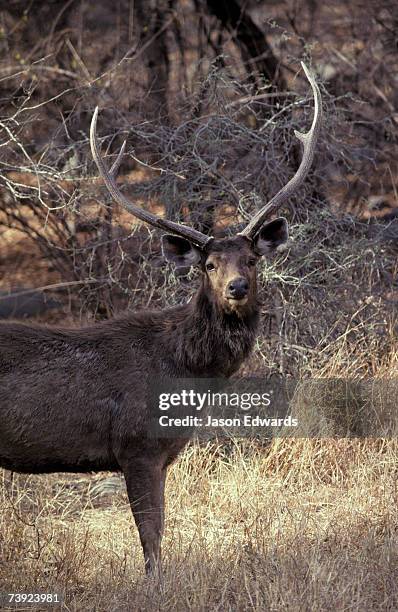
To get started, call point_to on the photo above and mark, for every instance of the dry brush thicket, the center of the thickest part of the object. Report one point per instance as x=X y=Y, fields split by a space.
x=222 y=147
x=298 y=524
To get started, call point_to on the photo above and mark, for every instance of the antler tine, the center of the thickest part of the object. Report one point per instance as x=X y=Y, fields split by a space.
x=309 y=140
x=116 y=164
x=197 y=238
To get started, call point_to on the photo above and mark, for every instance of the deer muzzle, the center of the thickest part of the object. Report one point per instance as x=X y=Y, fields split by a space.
x=237 y=289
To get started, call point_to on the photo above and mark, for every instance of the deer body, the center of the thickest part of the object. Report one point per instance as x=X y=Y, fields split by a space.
x=74 y=400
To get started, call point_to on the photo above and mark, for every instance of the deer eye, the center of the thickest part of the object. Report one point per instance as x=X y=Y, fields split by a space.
x=210 y=266
x=252 y=262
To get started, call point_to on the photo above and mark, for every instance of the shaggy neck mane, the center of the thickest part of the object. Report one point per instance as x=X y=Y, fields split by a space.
x=209 y=341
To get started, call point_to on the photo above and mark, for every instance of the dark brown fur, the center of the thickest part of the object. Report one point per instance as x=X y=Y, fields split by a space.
x=74 y=399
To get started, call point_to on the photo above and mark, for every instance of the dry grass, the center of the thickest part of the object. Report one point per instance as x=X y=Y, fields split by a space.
x=302 y=525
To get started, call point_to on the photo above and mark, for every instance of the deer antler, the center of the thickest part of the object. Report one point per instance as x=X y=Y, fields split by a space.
x=309 y=141
x=197 y=238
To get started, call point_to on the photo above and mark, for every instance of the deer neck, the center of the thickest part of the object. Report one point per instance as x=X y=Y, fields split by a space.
x=211 y=343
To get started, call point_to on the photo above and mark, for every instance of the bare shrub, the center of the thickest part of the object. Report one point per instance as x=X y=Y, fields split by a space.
x=223 y=147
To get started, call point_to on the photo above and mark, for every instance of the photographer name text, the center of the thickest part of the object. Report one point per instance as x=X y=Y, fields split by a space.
x=246 y=420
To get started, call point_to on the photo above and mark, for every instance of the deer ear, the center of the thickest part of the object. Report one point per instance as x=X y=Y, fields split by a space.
x=271 y=235
x=180 y=251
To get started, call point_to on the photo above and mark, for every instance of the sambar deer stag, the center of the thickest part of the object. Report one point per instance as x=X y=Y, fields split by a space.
x=73 y=400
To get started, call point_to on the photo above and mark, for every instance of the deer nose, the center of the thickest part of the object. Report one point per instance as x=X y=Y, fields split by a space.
x=238 y=288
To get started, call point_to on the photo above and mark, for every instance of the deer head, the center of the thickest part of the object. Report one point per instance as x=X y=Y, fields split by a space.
x=229 y=264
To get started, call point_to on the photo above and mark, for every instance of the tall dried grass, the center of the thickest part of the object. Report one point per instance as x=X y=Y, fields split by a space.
x=300 y=525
